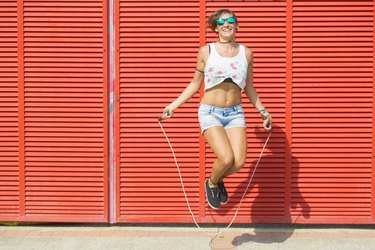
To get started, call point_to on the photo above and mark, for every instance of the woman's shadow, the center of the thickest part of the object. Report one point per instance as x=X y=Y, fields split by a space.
x=268 y=188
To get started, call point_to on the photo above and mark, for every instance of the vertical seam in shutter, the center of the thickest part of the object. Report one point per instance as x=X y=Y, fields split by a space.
x=21 y=107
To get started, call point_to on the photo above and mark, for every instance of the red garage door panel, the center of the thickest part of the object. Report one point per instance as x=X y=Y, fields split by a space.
x=155 y=63
x=62 y=102
x=9 y=172
x=65 y=110
x=332 y=111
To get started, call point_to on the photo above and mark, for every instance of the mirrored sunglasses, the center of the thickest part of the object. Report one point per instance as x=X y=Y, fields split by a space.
x=230 y=20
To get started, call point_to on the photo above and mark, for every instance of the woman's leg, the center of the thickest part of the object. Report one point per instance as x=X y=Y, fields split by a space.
x=220 y=144
x=238 y=141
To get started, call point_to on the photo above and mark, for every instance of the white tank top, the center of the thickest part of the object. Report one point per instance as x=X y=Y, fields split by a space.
x=220 y=68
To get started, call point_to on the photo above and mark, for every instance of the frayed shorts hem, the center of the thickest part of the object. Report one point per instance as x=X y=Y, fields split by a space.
x=234 y=126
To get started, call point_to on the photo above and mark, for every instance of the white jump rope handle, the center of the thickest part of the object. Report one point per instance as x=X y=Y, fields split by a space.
x=183 y=186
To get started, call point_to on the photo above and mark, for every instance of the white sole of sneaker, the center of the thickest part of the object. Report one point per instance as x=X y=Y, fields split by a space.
x=224 y=202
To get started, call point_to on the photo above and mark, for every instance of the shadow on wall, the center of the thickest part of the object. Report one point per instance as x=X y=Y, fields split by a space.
x=272 y=234
x=270 y=199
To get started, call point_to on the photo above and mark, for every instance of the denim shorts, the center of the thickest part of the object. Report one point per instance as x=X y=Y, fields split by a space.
x=230 y=117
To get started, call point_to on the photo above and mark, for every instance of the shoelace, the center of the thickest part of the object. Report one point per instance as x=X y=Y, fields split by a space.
x=221 y=188
x=212 y=192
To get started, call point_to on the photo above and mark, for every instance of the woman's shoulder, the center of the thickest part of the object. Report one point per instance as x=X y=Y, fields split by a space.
x=204 y=48
x=204 y=51
x=247 y=49
x=248 y=52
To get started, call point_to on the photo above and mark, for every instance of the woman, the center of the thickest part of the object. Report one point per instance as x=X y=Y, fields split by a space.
x=226 y=68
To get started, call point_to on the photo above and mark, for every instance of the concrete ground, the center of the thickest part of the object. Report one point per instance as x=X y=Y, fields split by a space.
x=173 y=237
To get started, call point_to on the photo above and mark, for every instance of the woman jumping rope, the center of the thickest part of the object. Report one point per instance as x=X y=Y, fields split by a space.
x=226 y=67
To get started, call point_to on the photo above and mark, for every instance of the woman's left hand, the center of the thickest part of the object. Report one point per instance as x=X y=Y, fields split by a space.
x=267 y=120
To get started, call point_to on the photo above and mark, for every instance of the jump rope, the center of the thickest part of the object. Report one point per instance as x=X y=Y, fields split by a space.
x=183 y=186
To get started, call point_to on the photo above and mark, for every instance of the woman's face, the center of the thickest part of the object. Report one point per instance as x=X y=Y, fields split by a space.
x=227 y=30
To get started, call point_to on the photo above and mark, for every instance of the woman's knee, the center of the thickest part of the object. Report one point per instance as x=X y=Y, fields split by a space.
x=238 y=164
x=226 y=161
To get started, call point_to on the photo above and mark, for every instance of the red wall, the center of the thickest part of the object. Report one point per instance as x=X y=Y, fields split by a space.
x=313 y=69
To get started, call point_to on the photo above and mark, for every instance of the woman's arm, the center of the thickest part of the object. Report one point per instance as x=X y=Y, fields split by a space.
x=252 y=93
x=192 y=88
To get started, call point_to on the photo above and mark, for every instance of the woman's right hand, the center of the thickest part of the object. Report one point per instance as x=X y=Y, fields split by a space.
x=167 y=113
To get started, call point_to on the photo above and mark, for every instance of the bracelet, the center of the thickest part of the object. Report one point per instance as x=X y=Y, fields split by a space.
x=265 y=115
x=199 y=70
x=262 y=110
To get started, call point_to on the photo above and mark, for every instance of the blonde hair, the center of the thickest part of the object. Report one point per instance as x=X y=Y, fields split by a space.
x=211 y=20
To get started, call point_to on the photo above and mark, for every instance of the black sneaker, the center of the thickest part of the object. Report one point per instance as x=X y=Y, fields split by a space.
x=212 y=196
x=223 y=195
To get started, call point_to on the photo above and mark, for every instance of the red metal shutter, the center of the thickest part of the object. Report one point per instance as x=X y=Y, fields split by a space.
x=9 y=174
x=63 y=111
x=313 y=63
x=158 y=42
x=149 y=188
x=262 y=27
x=332 y=111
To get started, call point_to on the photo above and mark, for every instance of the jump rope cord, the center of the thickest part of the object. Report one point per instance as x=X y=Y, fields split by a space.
x=183 y=186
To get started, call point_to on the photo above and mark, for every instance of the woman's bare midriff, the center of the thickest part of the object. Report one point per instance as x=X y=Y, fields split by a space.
x=226 y=94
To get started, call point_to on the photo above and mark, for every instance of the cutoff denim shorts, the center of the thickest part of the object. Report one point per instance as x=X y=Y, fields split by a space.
x=230 y=117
